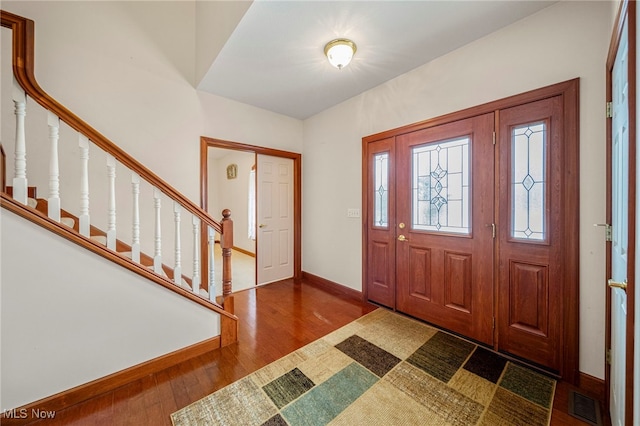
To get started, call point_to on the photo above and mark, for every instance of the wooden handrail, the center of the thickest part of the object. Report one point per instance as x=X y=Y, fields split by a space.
x=23 y=69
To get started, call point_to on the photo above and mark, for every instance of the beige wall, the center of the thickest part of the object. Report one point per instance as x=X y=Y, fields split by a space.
x=564 y=41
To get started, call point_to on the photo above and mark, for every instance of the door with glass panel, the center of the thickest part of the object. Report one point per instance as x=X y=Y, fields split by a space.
x=444 y=225
x=531 y=206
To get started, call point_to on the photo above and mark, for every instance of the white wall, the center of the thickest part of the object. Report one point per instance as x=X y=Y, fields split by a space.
x=564 y=41
x=233 y=194
x=70 y=316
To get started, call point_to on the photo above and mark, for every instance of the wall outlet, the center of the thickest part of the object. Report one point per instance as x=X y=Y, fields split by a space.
x=353 y=213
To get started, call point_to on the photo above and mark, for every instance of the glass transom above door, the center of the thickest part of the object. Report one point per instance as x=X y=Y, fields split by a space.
x=440 y=186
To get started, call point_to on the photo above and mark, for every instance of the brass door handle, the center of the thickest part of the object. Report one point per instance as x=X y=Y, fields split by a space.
x=614 y=284
x=402 y=238
x=261 y=225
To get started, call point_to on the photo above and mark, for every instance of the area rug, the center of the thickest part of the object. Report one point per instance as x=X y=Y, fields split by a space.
x=382 y=369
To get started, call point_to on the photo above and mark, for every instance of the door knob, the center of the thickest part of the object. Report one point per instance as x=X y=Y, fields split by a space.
x=262 y=225
x=614 y=284
x=402 y=238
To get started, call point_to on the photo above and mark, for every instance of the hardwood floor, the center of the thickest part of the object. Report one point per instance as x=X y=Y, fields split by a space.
x=274 y=320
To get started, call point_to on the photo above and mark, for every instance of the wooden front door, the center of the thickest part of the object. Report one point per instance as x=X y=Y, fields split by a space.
x=444 y=251
x=471 y=224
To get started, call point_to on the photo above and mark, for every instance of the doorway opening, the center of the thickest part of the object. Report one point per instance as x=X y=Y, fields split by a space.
x=234 y=165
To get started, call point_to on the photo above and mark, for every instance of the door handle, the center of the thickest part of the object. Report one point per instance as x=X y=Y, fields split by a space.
x=402 y=238
x=614 y=284
x=262 y=225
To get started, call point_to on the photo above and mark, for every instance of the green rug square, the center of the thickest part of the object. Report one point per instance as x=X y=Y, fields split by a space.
x=441 y=356
x=287 y=387
x=528 y=384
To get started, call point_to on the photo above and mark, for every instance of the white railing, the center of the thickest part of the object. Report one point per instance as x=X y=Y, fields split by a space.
x=126 y=199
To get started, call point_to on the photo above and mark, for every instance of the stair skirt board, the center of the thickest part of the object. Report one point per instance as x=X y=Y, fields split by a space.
x=113 y=381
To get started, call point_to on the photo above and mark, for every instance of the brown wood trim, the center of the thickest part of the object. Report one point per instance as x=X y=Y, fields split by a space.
x=39 y=219
x=113 y=381
x=569 y=90
x=519 y=99
x=3 y=169
x=206 y=142
x=23 y=69
x=592 y=386
x=243 y=251
x=331 y=286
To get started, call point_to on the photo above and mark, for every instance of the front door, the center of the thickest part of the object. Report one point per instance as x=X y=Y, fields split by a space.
x=471 y=224
x=444 y=243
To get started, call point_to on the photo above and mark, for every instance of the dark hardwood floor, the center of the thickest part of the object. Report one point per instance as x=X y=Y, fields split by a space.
x=274 y=320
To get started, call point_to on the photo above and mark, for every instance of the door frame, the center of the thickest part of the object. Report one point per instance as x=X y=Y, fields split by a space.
x=205 y=144
x=569 y=90
x=627 y=10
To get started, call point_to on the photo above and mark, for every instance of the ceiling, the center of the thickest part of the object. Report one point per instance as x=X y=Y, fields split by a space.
x=274 y=59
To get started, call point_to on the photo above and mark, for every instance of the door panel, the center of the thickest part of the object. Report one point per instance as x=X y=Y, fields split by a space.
x=444 y=255
x=275 y=219
x=530 y=291
x=620 y=228
x=381 y=250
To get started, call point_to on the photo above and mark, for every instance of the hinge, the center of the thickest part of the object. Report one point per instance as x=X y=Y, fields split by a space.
x=494 y=323
x=608 y=234
x=609 y=113
x=608 y=356
x=493 y=231
x=494 y=138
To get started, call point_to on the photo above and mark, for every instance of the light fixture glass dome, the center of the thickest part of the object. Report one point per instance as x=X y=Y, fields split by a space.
x=339 y=52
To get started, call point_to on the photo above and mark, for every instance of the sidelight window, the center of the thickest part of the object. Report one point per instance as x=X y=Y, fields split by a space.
x=381 y=190
x=528 y=181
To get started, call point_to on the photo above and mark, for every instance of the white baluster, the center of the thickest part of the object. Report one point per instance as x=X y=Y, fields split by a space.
x=195 y=280
x=177 y=269
x=135 y=244
x=111 y=212
x=54 y=171
x=84 y=185
x=20 y=184
x=157 y=258
x=212 y=269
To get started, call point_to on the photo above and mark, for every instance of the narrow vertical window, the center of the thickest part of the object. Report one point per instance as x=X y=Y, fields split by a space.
x=440 y=186
x=528 y=182
x=381 y=190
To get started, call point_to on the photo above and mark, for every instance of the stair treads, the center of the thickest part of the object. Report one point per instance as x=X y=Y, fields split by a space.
x=102 y=239
x=32 y=202
x=68 y=221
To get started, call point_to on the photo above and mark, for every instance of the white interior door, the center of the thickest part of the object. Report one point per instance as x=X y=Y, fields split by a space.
x=274 y=219
x=620 y=220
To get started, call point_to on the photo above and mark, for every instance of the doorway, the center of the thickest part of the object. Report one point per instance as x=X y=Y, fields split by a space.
x=292 y=193
x=470 y=223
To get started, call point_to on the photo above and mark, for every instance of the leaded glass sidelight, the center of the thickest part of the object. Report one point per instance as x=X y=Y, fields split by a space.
x=381 y=190
x=440 y=186
x=528 y=181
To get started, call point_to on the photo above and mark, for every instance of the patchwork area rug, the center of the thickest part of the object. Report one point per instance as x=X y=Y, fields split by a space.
x=382 y=369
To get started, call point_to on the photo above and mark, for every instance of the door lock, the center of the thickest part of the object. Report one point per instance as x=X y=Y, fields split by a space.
x=402 y=238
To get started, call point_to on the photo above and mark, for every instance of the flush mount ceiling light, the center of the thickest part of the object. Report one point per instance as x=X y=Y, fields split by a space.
x=339 y=52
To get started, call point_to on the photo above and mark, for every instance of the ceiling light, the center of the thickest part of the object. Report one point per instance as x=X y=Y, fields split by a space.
x=339 y=52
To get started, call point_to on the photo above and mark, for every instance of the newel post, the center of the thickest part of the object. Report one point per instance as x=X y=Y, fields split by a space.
x=226 y=243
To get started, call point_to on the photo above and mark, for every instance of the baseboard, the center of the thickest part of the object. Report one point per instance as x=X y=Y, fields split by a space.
x=592 y=386
x=55 y=403
x=332 y=286
x=243 y=251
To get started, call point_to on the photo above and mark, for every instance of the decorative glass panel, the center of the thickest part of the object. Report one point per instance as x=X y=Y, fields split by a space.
x=440 y=186
x=528 y=174
x=381 y=190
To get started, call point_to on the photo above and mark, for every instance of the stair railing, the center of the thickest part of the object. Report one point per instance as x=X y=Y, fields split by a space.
x=134 y=252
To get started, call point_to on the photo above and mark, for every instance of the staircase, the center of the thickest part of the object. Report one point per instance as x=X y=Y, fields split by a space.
x=117 y=226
